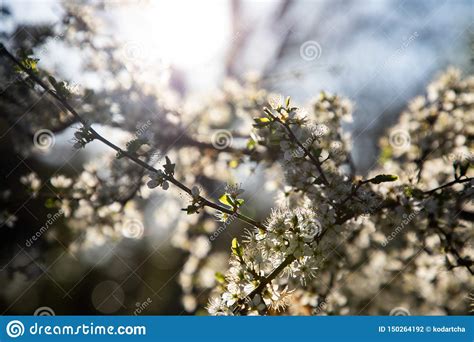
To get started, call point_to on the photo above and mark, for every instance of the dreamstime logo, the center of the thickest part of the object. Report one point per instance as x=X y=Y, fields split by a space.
x=44 y=139
x=44 y=311
x=15 y=329
x=399 y=311
x=222 y=139
x=310 y=50
x=133 y=229
x=312 y=230
x=400 y=139
x=135 y=53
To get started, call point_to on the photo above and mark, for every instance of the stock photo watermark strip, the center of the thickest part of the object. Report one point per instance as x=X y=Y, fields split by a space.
x=169 y=328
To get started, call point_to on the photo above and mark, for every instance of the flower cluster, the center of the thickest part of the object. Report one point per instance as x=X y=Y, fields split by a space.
x=435 y=130
x=265 y=265
x=291 y=237
x=286 y=128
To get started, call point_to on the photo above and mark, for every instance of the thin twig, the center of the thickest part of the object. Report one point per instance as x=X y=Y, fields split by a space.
x=265 y=281
x=315 y=161
x=456 y=181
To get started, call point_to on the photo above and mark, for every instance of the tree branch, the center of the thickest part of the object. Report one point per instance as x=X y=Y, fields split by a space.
x=64 y=103
x=456 y=181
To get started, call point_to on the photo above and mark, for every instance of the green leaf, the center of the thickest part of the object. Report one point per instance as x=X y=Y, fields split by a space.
x=261 y=122
x=227 y=200
x=235 y=243
x=251 y=144
x=236 y=248
x=287 y=102
x=230 y=200
x=223 y=199
x=50 y=203
x=220 y=278
x=385 y=154
x=383 y=178
x=30 y=64
x=234 y=163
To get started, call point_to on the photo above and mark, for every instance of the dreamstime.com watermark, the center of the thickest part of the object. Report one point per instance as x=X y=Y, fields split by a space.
x=44 y=139
x=141 y=307
x=320 y=308
x=222 y=139
x=49 y=222
x=399 y=311
x=139 y=132
x=399 y=228
x=396 y=57
x=234 y=190
x=310 y=50
x=44 y=311
x=223 y=227
x=16 y=329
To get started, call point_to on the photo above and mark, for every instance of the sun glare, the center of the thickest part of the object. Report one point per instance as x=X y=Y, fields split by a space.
x=186 y=34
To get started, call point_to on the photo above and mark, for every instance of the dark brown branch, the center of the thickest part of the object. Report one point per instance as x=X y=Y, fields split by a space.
x=456 y=181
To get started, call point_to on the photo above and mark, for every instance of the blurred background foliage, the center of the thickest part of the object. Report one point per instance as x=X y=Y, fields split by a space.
x=174 y=72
